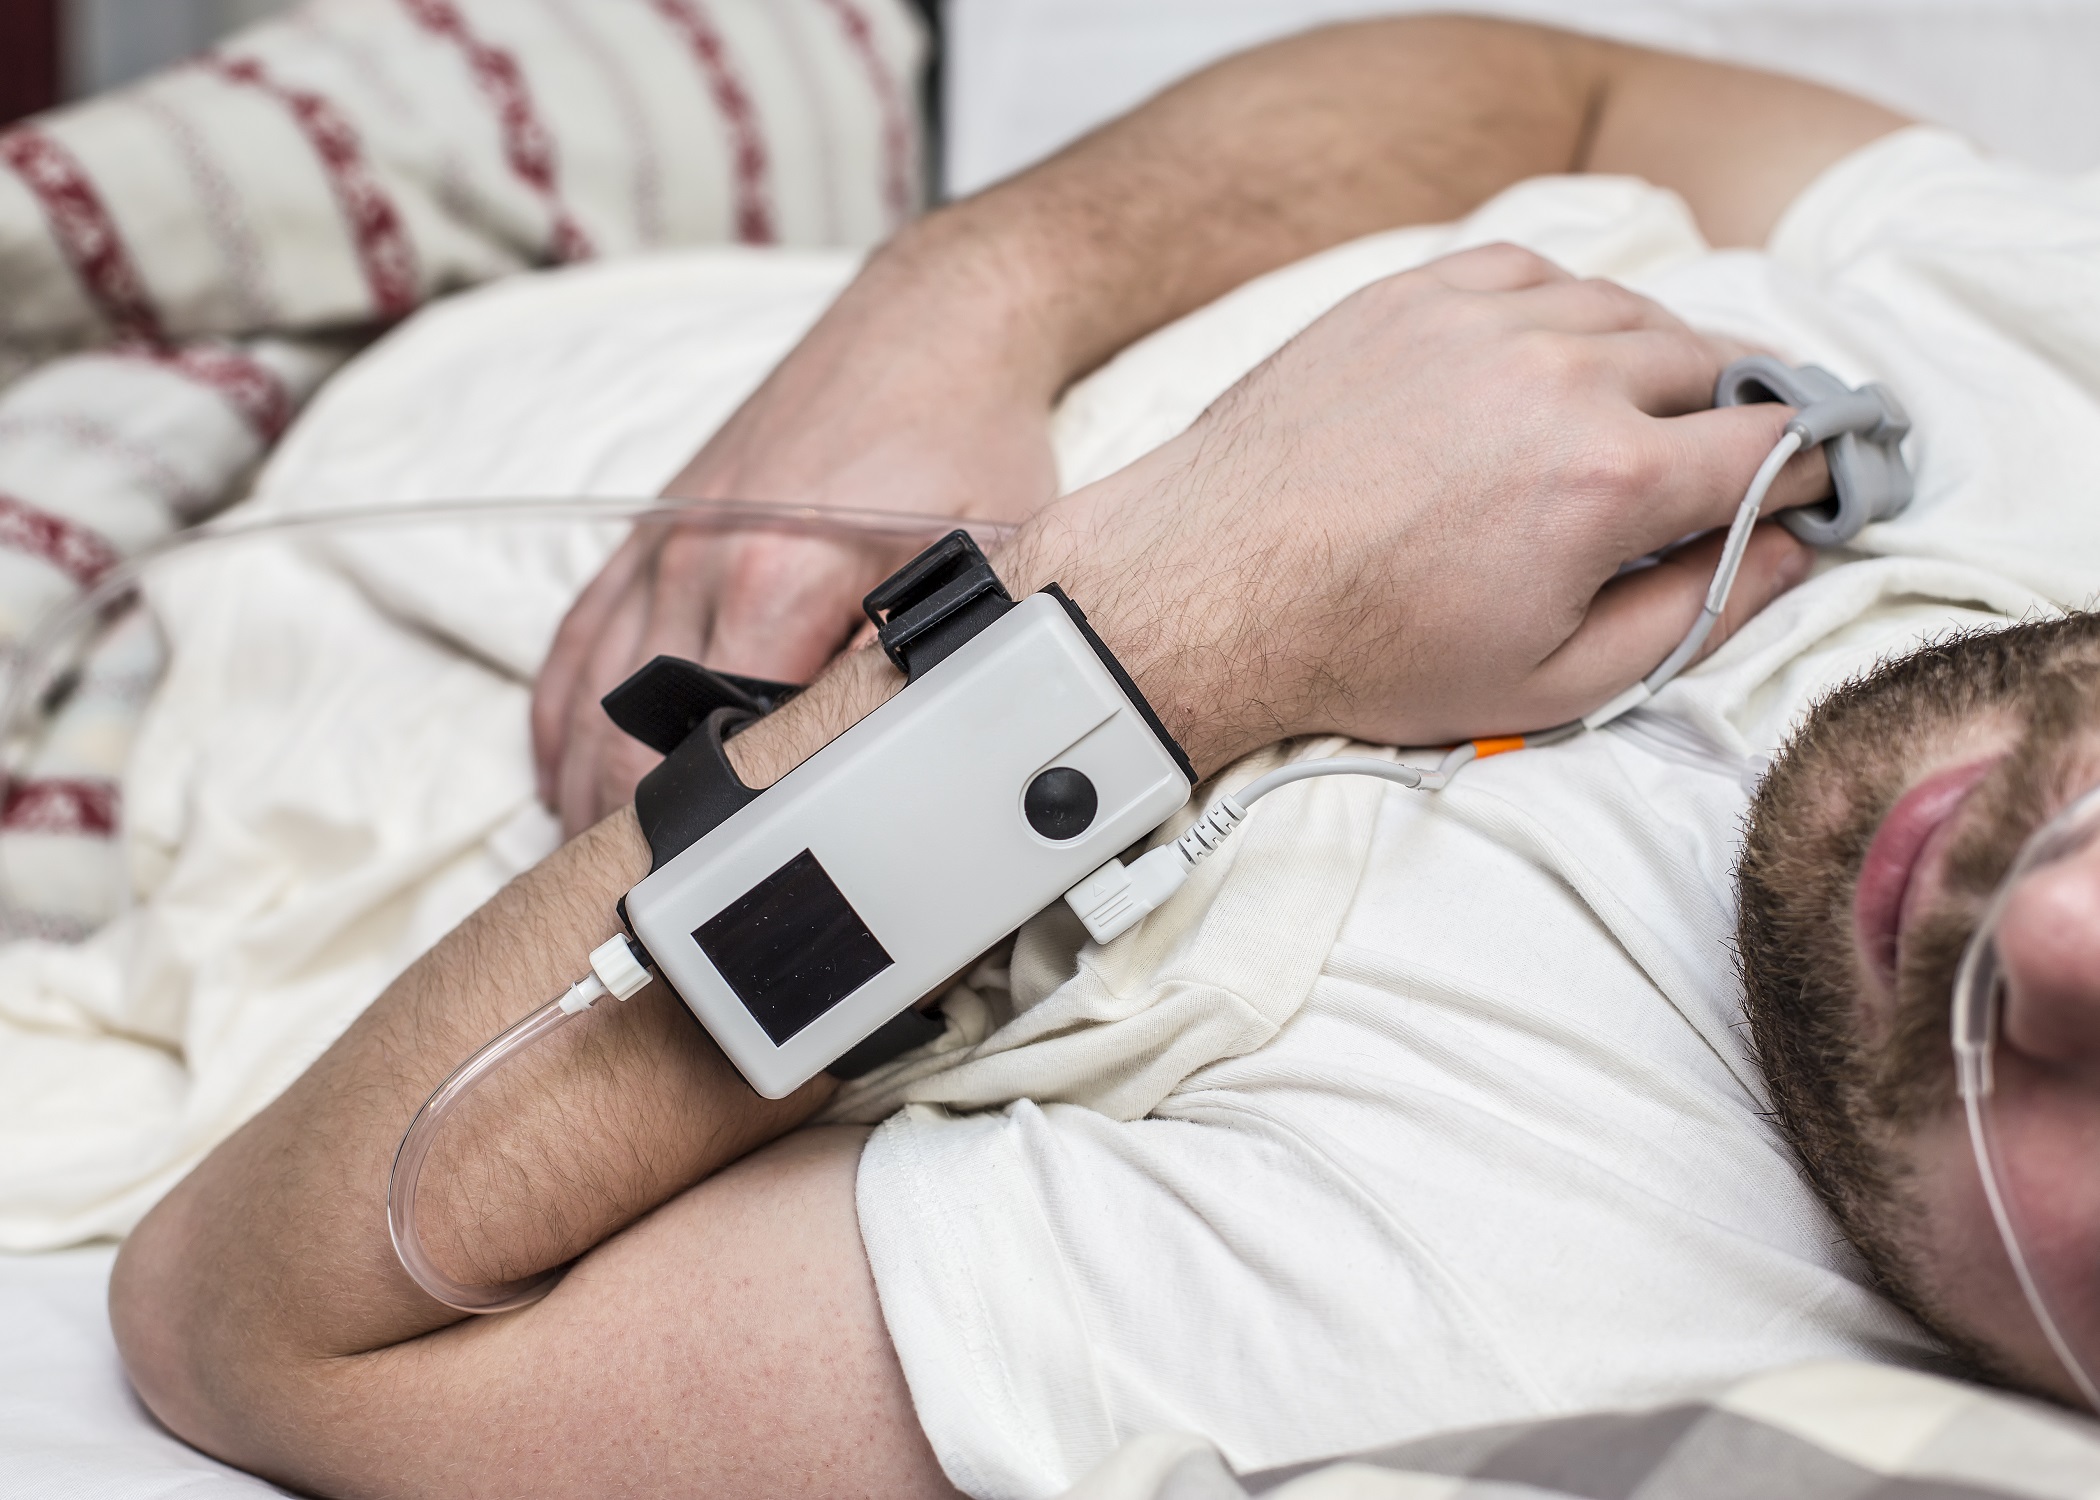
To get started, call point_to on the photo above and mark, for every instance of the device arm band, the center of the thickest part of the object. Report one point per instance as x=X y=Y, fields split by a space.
x=694 y=790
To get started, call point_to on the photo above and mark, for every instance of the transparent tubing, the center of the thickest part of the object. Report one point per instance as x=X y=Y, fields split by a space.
x=39 y=661
x=407 y=1174
x=1977 y=1013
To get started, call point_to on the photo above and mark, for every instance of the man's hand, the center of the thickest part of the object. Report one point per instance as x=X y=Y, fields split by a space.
x=1408 y=526
x=913 y=394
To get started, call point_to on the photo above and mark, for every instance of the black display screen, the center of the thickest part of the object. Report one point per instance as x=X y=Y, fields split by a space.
x=791 y=947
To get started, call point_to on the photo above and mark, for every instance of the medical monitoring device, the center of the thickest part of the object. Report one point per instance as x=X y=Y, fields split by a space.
x=801 y=925
x=1017 y=758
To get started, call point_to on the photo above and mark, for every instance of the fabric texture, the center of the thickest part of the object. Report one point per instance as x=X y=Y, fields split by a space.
x=343 y=165
x=1830 y=1431
x=222 y=233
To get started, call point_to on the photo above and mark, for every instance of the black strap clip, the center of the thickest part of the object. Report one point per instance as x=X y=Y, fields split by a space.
x=685 y=712
x=668 y=699
x=933 y=604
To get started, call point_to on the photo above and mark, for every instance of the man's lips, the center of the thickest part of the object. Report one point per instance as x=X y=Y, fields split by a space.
x=1897 y=855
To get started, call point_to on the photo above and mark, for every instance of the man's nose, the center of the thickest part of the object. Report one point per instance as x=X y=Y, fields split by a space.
x=2049 y=948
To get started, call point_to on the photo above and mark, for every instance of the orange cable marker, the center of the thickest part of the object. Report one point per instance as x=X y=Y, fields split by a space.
x=1482 y=749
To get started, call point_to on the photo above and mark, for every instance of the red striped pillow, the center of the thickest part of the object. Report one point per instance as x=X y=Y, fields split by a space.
x=218 y=227
x=347 y=162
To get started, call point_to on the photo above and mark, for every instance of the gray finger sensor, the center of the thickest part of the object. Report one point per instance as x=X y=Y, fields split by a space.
x=1866 y=467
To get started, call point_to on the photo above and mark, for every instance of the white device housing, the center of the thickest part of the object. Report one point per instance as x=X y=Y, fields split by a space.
x=914 y=816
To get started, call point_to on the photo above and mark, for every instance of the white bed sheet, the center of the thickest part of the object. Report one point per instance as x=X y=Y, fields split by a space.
x=70 y=1427
x=1025 y=76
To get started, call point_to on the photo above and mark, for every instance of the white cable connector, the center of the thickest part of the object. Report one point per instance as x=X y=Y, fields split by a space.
x=1116 y=897
x=615 y=971
x=582 y=995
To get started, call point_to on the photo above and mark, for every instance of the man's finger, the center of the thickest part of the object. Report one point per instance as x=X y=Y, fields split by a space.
x=685 y=591
x=1594 y=306
x=1500 y=267
x=1638 y=618
x=567 y=658
x=1702 y=466
x=788 y=604
x=613 y=656
x=1665 y=372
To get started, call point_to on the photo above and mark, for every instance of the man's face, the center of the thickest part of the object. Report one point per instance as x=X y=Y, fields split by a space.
x=1873 y=848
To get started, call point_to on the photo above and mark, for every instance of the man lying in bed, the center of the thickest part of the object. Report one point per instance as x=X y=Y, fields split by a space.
x=1509 y=1157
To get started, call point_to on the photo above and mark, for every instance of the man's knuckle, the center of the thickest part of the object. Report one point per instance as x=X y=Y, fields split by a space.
x=1554 y=360
x=1618 y=465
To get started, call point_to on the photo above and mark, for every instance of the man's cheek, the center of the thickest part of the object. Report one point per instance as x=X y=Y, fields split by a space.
x=1959 y=1259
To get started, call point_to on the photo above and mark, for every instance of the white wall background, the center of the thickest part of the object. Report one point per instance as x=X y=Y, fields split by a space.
x=109 y=42
x=2020 y=76
x=1025 y=76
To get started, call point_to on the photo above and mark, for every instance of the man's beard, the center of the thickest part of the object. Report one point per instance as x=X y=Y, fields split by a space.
x=1847 y=1090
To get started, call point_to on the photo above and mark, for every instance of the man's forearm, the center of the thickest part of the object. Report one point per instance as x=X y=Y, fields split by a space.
x=276 y=1247
x=278 y=1243
x=274 y=1254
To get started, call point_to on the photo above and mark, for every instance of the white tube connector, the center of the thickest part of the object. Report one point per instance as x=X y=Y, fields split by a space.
x=1116 y=897
x=615 y=971
x=615 y=966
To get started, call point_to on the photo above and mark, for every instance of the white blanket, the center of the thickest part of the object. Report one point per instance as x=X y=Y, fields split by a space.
x=335 y=769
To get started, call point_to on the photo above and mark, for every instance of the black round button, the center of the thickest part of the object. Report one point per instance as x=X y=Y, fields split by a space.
x=1060 y=803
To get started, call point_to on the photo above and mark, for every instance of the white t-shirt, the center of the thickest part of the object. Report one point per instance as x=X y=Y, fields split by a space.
x=1507 y=1154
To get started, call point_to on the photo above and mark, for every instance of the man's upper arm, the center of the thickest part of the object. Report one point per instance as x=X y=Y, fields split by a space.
x=729 y=1343
x=1738 y=145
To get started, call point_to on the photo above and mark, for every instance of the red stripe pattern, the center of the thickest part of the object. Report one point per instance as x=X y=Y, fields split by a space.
x=527 y=145
x=754 y=213
x=79 y=553
x=383 y=249
x=85 y=806
x=87 y=236
x=246 y=384
x=896 y=126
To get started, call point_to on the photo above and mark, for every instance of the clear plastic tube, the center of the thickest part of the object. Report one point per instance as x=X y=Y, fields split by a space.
x=407 y=1174
x=42 y=658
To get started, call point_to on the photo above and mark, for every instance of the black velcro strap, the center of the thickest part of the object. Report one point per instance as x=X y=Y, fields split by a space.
x=669 y=698
x=936 y=602
x=689 y=713
x=694 y=790
x=893 y=1038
